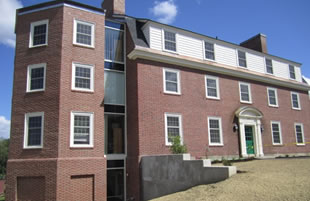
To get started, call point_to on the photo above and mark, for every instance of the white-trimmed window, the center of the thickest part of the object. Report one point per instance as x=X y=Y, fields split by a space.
x=212 y=87
x=209 y=51
x=299 y=132
x=171 y=81
x=292 y=72
x=173 y=127
x=82 y=77
x=245 y=92
x=276 y=133
x=82 y=134
x=272 y=97
x=36 y=77
x=33 y=133
x=84 y=33
x=242 y=59
x=170 y=41
x=295 y=101
x=269 y=67
x=215 y=131
x=38 y=33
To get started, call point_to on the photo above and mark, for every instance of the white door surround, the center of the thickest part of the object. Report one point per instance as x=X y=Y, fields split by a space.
x=250 y=116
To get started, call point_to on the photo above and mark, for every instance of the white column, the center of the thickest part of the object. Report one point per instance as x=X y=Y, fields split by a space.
x=259 y=143
x=242 y=140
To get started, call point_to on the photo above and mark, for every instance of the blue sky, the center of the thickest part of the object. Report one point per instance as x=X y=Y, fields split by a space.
x=286 y=24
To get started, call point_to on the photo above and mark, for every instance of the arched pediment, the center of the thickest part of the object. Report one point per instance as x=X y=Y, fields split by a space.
x=248 y=112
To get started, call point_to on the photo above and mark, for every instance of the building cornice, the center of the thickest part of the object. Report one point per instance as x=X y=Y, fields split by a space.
x=175 y=59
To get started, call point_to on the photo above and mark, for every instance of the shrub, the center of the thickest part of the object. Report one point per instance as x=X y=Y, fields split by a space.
x=227 y=162
x=177 y=147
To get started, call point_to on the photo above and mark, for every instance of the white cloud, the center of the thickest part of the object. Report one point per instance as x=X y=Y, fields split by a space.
x=7 y=21
x=4 y=127
x=165 y=11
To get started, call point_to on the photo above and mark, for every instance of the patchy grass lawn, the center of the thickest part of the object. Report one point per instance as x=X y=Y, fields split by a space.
x=262 y=180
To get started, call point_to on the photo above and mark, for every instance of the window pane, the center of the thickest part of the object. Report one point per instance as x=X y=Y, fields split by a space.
x=173 y=121
x=295 y=101
x=215 y=136
x=272 y=97
x=114 y=88
x=171 y=76
x=170 y=46
x=81 y=129
x=276 y=133
x=244 y=93
x=84 y=34
x=214 y=123
x=299 y=134
x=212 y=92
x=292 y=72
x=173 y=132
x=82 y=77
x=170 y=41
x=34 y=131
x=37 y=78
x=114 y=45
x=242 y=58
x=115 y=185
x=169 y=36
x=114 y=135
x=173 y=87
x=39 y=34
x=209 y=50
x=269 y=68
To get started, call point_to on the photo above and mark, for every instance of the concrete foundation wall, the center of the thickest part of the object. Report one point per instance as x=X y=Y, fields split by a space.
x=166 y=174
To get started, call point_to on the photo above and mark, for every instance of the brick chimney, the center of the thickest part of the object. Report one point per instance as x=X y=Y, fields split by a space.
x=114 y=7
x=258 y=43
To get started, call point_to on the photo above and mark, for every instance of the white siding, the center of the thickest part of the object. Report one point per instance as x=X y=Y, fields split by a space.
x=298 y=74
x=280 y=69
x=155 y=38
x=189 y=46
x=225 y=55
x=255 y=63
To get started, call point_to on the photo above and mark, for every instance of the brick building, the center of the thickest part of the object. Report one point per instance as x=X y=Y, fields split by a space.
x=94 y=90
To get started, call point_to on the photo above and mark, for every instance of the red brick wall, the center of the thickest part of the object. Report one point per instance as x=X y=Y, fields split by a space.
x=195 y=108
x=30 y=188
x=56 y=161
x=82 y=188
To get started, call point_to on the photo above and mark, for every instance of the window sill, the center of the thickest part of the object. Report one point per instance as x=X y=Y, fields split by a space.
x=278 y=145
x=274 y=106
x=84 y=46
x=36 y=147
x=81 y=147
x=216 y=145
x=83 y=91
x=172 y=93
x=43 y=45
x=35 y=91
x=213 y=98
x=250 y=103
x=170 y=51
x=214 y=61
x=298 y=109
x=300 y=145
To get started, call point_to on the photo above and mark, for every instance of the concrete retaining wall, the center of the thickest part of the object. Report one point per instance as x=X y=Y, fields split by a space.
x=166 y=174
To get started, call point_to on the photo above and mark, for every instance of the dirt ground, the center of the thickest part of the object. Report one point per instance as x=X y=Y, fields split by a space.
x=263 y=180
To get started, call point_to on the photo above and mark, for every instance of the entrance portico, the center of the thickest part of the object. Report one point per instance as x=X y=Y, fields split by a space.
x=250 y=131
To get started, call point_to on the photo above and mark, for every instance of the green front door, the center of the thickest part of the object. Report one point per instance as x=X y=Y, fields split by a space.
x=249 y=139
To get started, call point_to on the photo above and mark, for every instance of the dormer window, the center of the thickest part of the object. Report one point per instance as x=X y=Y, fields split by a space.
x=242 y=59
x=209 y=51
x=269 y=68
x=292 y=72
x=170 y=43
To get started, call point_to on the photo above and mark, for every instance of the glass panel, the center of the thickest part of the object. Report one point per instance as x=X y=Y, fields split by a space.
x=173 y=132
x=244 y=93
x=82 y=77
x=173 y=121
x=170 y=46
x=34 y=131
x=170 y=86
x=115 y=163
x=171 y=76
x=37 y=78
x=276 y=133
x=84 y=34
x=242 y=58
x=295 y=101
x=81 y=129
x=115 y=134
x=114 y=25
x=269 y=66
x=115 y=185
x=292 y=72
x=113 y=66
x=114 y=88
x=114 y=45
x=169 y=36
x=272 y=97
x=39 y=34
x=215 y=136
x=299 y=134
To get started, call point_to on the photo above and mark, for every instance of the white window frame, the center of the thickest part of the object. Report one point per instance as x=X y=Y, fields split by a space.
x=32 y=26
x=163 y=41
x=26 y=125
x=303 y=135
x=271 y=66
x=217 y=87
x=75 y=33
x=220 y=130
x=91 y=130
x=30 y=67
x=280 y=132
x=249 y=91
x=178 y=81
x=204 y=50
x=289 y=72
x=276 y=97
x=299 y=105
x=91 y=67
x=246 y=62
x=167 y=143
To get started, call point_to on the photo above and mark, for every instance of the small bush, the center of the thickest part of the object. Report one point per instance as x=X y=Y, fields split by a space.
x=227 y=162
x=177 y=147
